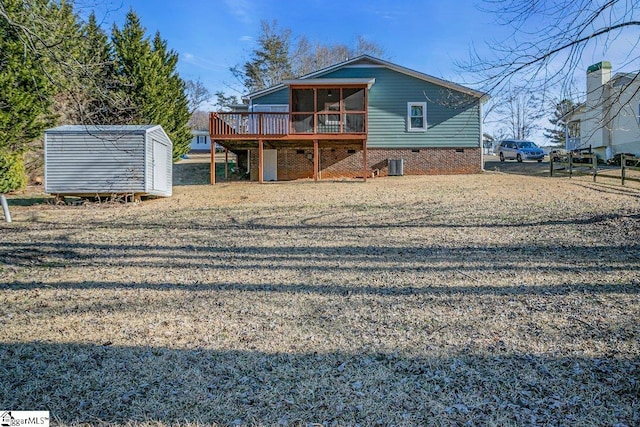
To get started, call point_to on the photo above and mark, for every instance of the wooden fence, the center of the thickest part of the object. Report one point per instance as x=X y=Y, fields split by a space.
x=587 y=164
x=629 y=163
x=584 y=164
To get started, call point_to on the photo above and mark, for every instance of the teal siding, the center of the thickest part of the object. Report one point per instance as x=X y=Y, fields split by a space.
x=453 y=118
x=279 y=97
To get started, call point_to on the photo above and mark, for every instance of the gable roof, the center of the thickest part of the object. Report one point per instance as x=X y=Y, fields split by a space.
x=370 y=60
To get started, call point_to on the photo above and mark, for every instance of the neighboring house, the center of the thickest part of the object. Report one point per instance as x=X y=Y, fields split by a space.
x=355 y=119
x=200 y=141
x=608 y=121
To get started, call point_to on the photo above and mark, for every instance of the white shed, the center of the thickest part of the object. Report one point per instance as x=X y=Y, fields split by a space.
x=90 y=160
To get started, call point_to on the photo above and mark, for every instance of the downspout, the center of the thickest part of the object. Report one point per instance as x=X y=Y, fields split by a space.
x=609 y=121
x=481 y=135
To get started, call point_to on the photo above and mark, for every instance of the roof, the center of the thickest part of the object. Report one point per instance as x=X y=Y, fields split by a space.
x=330 y=81
x=370 y=60
x=599 y=66
x=102 y=128
x=577 y=109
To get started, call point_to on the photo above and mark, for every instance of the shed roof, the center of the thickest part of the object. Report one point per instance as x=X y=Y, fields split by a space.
x=102 y=128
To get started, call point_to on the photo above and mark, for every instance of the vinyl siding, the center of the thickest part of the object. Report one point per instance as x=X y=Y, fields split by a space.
x=453 y=118
x=83 y=163
x=278 y=97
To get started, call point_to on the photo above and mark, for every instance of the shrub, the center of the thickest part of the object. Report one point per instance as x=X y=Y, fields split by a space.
x=12 y=172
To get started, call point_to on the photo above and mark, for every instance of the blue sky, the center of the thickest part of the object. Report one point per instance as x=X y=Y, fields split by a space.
x=429 y=36
x=213 y=35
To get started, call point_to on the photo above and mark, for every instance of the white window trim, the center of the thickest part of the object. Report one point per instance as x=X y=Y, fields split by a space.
x=424 y=116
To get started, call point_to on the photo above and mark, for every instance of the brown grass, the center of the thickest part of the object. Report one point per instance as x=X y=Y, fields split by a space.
x=464 y=300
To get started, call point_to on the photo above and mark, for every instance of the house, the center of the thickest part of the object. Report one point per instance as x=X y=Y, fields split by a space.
x=608 y=121
x=355 y=119
x=200 y=141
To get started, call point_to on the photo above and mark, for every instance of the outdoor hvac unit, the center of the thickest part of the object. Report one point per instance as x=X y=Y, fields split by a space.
x=396 y=167
x=105 y=160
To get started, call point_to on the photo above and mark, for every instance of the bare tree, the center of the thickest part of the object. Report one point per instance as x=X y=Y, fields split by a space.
x=278 y=57
x=199 y=120
x=519 y=112
x=197 y=94
x=547 y=43
x=548 y=40
x=307 y=57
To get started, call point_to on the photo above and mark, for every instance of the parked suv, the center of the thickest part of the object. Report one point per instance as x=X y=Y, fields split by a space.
x=519 y=150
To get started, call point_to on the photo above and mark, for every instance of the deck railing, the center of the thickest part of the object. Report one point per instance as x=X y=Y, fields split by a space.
x=281 y=124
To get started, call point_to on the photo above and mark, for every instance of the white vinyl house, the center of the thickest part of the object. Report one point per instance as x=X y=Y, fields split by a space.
x=608 y=121
x=105 y=160
x=200 y=141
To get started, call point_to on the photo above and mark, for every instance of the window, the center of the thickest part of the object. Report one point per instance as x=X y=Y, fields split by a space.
x=201 y=139
x=416 y=116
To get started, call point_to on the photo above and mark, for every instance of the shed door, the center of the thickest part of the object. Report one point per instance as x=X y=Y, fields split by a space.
x=160 y=161
x=270 y=165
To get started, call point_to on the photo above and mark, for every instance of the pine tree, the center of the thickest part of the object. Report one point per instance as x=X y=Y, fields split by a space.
x=152 y=90
x=556 y=134
x=100 y=103
x=171 y=98
x=270 y=62
x=25 y=98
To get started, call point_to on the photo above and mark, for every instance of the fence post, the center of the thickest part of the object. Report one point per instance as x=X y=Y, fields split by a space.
x=623 y=168
x=570 y=164
x=5 y=207
x=594 y=165
x=550 y=165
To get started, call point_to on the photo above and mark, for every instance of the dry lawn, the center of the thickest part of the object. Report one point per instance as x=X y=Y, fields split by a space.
x=448 y=301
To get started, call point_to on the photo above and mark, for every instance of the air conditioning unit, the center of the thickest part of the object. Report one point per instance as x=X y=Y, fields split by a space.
x=396 y=167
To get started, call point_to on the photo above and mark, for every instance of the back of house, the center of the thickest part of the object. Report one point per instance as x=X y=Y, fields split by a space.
x=356 y=119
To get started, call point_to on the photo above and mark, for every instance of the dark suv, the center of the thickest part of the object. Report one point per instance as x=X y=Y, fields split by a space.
x=519 y=150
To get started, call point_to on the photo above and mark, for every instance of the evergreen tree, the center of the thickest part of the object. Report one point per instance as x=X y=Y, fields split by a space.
x=270 y=62
x=25 y=98
x=148 y=84
x=556 y=134
x=276 y=59
x=99 y=102
x=171 y=97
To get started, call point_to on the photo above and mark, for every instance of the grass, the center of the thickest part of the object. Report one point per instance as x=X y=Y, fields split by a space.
x=410 y=301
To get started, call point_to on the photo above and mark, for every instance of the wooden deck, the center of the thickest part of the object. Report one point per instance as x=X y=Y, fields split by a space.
x=246 y=131
x=328 y=112
x=288 y=126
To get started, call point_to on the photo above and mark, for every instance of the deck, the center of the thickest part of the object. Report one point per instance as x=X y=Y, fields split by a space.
x=320 y=112
x=245 y=131
x=288 y=126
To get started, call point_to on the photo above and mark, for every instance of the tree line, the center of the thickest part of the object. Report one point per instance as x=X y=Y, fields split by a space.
x=279 y=55
x=56 y=68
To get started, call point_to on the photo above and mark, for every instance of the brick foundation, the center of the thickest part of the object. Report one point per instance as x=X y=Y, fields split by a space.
x=343 y=163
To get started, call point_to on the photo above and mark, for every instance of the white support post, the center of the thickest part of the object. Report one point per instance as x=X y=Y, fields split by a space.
x=5 y=207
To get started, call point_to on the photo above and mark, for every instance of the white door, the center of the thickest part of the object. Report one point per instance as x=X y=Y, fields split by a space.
x=160 y=160
x=270 y=158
